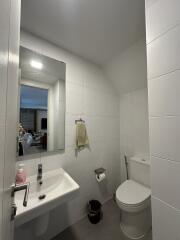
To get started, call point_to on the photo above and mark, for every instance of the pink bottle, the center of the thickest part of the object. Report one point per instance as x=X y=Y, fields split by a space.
x=21 y=174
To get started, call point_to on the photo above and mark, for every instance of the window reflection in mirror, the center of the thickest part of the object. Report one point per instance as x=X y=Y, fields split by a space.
x=42 y=104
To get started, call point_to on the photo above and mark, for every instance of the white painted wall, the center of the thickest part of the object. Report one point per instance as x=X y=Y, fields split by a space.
x=56 y=114
x=51 y=118
x=60 y=122
x=35 y=83
x=56 y=118
x=40 y=114
x=50 y=122
x=89 y=95
x=163 y=47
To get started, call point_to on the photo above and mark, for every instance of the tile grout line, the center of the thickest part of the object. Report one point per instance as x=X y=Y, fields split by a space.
x=164 y=33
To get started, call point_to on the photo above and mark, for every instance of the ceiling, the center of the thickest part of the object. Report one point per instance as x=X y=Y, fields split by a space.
x=97 y=30
x=52 y=71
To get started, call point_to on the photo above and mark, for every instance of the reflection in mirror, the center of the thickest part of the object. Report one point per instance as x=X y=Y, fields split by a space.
x=42 y=104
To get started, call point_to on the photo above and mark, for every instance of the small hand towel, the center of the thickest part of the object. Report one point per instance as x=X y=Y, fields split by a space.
x=81 y=135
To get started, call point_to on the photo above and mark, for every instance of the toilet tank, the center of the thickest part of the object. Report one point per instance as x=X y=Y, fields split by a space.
x=139 y=169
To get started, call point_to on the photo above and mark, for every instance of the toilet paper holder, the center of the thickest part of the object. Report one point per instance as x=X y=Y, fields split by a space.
x=99 y=171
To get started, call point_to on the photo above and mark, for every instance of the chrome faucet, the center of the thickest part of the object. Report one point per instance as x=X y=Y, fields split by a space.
x=39 y=175
x=16 y=188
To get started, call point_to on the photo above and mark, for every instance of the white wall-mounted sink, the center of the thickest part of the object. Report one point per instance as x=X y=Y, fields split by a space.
x=58 y=187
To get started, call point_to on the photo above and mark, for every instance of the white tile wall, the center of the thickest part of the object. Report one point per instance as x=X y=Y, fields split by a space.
x=161 y=16
x=128 y=72
x=163 y=45
x=162 y=56
x=165 y=180
x=164 y=137
x=166 y=221
x=166 y=94
x=134 y=126
x=90 y=96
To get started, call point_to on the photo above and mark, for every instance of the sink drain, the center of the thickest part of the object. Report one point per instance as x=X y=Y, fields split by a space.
x=41 y=197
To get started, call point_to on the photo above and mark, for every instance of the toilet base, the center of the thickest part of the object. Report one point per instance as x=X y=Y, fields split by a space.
x=136 y=225
x=131 y=237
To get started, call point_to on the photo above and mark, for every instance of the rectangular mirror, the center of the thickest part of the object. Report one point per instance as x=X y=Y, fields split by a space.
x=41 y=104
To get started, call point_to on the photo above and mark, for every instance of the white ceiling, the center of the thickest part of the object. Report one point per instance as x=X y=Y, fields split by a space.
x=52 y=71
x=97 y=30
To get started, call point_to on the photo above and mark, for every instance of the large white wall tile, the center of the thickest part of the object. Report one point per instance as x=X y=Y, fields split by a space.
x=164 y=137
x=162 y=54
x=161 y=15
x=164 y=94
x=97 y=103
x=165 y=177
x=74 y=99
x=166 y=221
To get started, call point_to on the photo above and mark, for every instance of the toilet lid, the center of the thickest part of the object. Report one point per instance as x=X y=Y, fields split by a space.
x=132 y=193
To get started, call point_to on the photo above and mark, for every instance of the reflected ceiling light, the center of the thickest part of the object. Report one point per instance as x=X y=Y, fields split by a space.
x=36 y=64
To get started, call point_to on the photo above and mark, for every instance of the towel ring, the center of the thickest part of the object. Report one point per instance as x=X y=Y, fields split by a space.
x=79 y=120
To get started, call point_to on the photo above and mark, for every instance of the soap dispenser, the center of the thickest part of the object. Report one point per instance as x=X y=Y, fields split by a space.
x=21 y=174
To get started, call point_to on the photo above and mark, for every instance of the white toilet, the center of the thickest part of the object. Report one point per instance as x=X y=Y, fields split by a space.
x=134 y=199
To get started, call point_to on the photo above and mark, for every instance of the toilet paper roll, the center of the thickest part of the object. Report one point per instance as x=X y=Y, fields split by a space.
x=100 y=177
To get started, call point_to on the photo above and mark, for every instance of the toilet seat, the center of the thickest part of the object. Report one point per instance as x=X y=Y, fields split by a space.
x=132 y=196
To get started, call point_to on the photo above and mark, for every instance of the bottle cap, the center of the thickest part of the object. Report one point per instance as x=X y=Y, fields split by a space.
x=21 y=165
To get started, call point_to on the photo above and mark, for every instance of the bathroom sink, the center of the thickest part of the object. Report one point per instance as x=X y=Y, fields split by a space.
x=57 y=187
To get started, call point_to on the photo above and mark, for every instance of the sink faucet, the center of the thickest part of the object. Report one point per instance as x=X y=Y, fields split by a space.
x=39 y=175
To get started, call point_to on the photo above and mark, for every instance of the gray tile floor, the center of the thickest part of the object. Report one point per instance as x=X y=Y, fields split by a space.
x=107 y=229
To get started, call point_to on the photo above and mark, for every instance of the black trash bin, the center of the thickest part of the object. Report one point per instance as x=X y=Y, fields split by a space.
x=94 y=211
